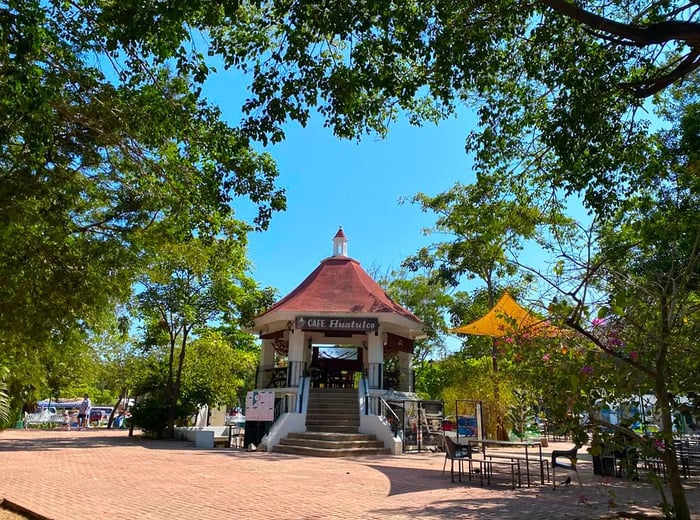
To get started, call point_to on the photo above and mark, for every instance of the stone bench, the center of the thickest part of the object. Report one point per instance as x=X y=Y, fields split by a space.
x=42 y=418
x=211 y=437
x=221 y=442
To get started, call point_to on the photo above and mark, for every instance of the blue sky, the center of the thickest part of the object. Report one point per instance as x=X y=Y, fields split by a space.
x=332 y=183
x=356 y=185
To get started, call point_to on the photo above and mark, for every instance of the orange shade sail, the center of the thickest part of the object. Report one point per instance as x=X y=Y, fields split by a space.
x=507 y=318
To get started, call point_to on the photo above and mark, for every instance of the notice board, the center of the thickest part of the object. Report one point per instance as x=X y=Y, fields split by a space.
x=260 y=405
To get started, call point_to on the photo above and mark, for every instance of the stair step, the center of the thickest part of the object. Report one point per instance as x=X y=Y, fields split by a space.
x=326 y=403
x=340 y=403
x=334 y=428
x=332 y=421
x=326 y=436
x=334 y=417
x=333 y=410
x=331 y=445
x=341 y=408
x=337 y=391
x=320 y=452
x=326 y=426
x=341 y=421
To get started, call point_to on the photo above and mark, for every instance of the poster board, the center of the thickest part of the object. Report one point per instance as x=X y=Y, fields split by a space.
x=260 y=405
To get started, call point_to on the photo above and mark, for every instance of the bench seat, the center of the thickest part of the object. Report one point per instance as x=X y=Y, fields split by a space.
x=486 y=468
x=519 y=458
x=221 y=442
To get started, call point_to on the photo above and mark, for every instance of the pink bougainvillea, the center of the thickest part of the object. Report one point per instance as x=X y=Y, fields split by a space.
x=614 y=341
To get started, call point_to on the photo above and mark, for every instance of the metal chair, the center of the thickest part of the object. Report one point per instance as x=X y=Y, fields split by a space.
x=571 y=465
x=455 y=452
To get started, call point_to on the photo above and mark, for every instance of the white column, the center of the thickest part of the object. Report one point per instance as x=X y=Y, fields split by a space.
x=296 y=357
x=405 y=366
x=375 y=359
x=405 y=361
x=267 y=360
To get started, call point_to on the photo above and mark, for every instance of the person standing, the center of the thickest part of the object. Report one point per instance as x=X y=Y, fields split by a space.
x=84 y=413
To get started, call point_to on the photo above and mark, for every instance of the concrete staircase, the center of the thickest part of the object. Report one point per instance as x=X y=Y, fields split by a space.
x=333 y=410
x=332 y=421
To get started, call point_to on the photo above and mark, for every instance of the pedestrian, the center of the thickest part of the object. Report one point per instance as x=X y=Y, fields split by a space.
x=84 y=413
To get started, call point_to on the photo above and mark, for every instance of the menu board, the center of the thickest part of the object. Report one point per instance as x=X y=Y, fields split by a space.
x=260 y=405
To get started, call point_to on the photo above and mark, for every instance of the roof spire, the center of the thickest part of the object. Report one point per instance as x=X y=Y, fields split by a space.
x=340 y=243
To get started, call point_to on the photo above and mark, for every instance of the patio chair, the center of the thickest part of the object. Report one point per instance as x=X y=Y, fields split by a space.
x=455 y=452
x=571 y=465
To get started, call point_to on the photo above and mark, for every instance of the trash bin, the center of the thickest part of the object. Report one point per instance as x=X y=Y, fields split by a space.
x=204 y=439
x=603 y=465
x=254 y=432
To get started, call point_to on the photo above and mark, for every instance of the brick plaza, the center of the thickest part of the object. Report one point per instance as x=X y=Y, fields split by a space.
x=106 y=474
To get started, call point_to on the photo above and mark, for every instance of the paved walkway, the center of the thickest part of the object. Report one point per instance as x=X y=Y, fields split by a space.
x=104 y=474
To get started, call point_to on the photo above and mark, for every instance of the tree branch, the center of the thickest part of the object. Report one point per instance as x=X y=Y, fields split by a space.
x=655 y=33
x=651 y=86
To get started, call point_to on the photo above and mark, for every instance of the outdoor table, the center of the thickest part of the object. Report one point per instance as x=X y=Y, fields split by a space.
x=236 y=425
x=510 y=444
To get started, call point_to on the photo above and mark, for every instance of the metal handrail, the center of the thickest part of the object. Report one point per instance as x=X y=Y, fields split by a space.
x=383 y=406
x=300 y=396
x=365 y=394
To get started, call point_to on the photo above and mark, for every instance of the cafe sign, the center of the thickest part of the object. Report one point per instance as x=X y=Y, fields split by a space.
x=329 y=323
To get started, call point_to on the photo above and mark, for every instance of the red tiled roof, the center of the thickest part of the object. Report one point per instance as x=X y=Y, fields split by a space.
x=339 y=284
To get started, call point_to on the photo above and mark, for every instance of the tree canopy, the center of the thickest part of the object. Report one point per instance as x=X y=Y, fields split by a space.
x=98 y=146
x=556 y=85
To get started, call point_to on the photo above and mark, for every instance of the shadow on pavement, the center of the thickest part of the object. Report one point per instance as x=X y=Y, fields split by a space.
x=42 y=440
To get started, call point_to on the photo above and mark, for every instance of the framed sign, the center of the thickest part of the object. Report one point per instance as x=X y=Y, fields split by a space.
x=260 y=405
x=330 y=324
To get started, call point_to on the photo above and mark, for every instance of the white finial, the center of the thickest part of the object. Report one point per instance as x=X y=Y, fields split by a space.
x=340 y=243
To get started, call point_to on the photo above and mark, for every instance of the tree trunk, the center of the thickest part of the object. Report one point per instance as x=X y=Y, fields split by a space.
x=680 y=503
x=170 y=395
x=178 y=376
x=122 y=397
x=675 y=483
x=174 y=383
x=501 y=433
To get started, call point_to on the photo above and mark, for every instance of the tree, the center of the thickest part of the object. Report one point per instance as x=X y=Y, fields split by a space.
x=467 y=378
x=429 y=301
x=488 y=227
x=120 y=362
x=216 y=372
x=4 y=398
x=187 y=285
x=633 y=303
x=96 y=146
x=565 y=111
x=70 y=370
